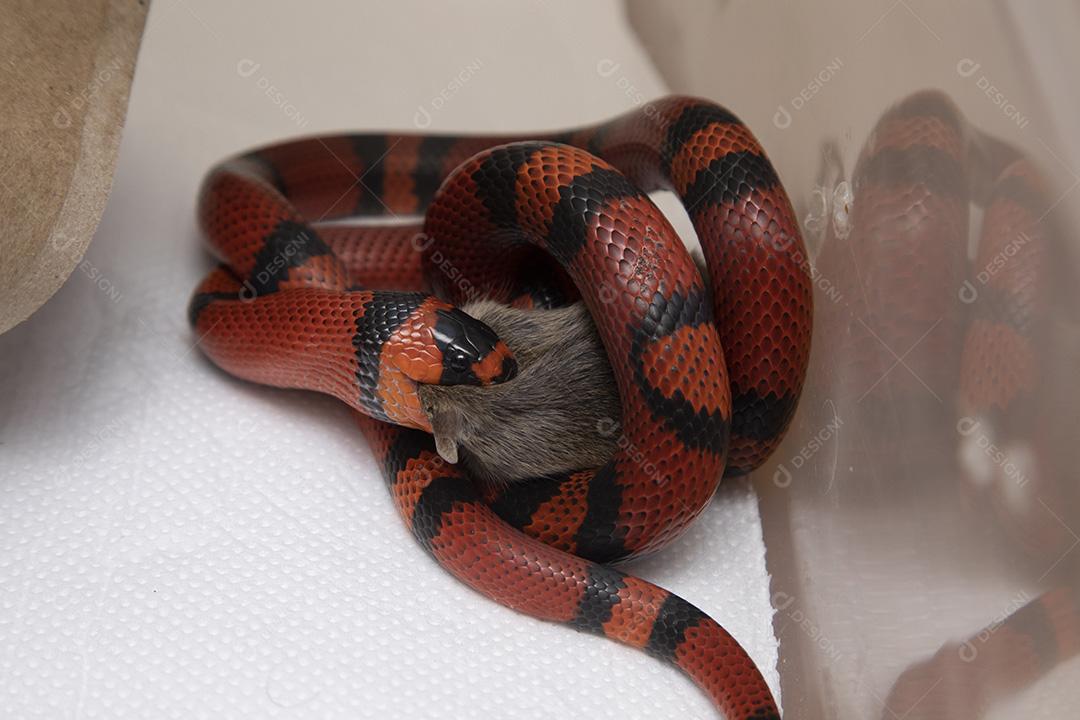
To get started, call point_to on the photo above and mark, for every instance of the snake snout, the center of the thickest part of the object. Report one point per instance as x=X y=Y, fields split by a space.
x=472 y=354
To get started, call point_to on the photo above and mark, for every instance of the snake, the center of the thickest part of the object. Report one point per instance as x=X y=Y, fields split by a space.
x=708 y=374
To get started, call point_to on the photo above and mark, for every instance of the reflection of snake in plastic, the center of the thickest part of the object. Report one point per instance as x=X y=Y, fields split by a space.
x=965 y=328
x=962 y=680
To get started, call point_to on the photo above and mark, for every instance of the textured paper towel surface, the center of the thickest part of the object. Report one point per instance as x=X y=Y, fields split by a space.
x=176 y=543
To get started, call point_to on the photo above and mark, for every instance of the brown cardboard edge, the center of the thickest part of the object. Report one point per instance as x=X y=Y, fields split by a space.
x=53 y=250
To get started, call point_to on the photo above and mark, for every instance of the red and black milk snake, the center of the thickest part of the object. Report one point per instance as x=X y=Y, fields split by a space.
x=708 y=380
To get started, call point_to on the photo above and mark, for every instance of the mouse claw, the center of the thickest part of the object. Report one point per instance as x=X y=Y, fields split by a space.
x=447 y=448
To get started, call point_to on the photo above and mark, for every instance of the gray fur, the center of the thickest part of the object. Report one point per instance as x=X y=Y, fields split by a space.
x=559 y=414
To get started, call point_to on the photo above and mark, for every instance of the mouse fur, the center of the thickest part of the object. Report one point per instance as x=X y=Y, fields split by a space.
x=559 y=414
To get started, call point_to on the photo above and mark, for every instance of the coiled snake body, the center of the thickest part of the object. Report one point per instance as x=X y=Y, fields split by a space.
x=512 y=217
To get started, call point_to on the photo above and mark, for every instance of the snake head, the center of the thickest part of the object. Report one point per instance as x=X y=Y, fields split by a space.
x=472 y=354
x=446 y=346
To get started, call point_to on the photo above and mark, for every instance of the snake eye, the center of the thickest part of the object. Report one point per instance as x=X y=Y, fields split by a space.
x=458 y=363
x=465 y=343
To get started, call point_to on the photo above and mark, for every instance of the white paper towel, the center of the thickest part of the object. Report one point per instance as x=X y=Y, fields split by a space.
x=176 y=543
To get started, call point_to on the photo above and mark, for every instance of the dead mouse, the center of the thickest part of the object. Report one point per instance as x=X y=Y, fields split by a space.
x=559 y=414
x=562 y=411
